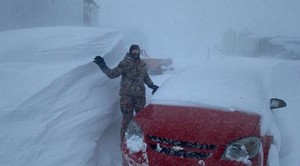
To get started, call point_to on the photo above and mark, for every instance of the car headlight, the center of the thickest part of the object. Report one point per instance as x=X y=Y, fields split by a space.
x=243 y=149
x=134 y=138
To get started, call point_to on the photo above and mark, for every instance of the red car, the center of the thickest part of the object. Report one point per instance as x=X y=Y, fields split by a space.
x=207 y=117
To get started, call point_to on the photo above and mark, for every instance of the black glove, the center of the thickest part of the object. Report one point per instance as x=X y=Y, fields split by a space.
x=154 y=88
x=100 y=61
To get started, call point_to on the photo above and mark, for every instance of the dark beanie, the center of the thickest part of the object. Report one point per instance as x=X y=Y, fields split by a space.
x=134 y=47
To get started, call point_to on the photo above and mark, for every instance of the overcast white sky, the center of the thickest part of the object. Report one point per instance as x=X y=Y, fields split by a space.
x=194 y=23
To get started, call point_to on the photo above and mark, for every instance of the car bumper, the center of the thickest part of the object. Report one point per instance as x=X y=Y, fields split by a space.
x=152 y=157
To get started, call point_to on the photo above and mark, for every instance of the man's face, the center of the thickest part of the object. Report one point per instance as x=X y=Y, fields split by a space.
x=135 y=54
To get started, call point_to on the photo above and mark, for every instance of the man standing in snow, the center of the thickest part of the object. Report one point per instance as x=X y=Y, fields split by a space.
x=132 y=91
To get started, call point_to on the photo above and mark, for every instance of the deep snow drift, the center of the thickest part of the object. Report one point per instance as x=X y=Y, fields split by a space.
x=57 y=108
x=47 y=117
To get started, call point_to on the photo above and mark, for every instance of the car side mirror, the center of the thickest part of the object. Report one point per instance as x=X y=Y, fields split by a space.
x=277 y=103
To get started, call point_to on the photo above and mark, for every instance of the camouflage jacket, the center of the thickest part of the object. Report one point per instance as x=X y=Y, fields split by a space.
x=134 y=76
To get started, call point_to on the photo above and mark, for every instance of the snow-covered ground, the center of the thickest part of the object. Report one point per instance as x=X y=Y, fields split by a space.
x=57 y=108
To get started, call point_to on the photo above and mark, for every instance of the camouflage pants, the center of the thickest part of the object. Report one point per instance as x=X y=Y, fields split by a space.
x=128 y=105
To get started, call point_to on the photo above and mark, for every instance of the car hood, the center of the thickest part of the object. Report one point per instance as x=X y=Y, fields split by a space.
x=194 y=124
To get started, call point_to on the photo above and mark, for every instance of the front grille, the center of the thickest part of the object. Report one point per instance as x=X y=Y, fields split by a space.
x=180 y=153
x=178 y=146
x=182 y=143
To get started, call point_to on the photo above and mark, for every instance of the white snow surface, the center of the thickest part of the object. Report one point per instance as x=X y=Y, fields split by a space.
x=216 y=85
x=135 y=143
x=57 y=108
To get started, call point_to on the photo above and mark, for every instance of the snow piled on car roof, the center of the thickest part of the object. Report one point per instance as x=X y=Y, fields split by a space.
x=224 y=86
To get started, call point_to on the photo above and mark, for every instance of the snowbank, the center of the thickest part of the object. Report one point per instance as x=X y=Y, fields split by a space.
x=53 y=112
x=32 y=58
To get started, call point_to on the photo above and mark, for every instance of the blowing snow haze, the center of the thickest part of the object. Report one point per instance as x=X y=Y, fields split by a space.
x=187 y=26
x=181 y=26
